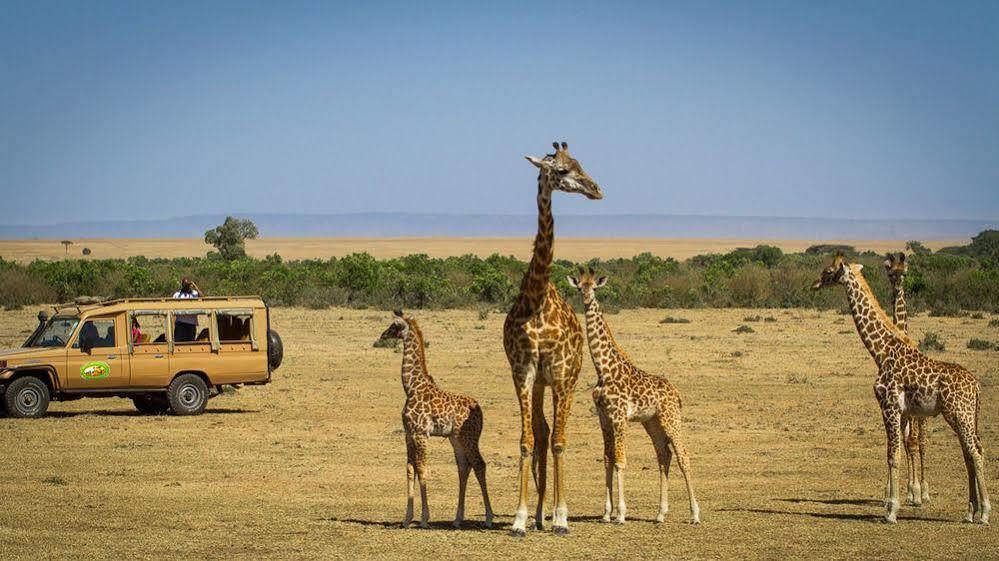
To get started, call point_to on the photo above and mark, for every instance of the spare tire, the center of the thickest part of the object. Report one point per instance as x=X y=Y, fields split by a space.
x=275 y=349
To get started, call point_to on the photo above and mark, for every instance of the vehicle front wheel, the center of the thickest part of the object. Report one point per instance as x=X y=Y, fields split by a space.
x=27 y=398
x=152 y=404
x=187 y=395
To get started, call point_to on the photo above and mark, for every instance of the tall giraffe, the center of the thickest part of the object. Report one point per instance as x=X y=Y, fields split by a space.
x=911 y=384
x=544 y=344
x=431 y=411
x=913 y=428
x=625 y=393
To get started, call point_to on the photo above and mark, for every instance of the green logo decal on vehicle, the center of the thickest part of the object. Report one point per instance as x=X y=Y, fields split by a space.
x=95 y=370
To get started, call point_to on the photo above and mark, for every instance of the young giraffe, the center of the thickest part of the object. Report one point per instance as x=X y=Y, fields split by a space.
x=913 y=428
x=626 y=393
x=544 y=345
x=431 y=411
x=911 y=384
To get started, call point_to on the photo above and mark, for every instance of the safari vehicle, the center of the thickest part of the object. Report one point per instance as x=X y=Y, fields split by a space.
x=165 y=354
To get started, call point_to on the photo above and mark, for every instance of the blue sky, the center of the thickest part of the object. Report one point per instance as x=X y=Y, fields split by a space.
x=141 y=110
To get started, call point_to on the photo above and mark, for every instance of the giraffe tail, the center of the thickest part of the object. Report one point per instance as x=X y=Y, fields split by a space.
x=978 y=439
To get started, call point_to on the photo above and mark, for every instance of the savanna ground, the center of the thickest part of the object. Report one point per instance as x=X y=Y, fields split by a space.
x=787 y=447
x=574 y=249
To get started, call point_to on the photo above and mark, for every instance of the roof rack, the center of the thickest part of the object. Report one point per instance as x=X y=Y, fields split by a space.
x=90 y=302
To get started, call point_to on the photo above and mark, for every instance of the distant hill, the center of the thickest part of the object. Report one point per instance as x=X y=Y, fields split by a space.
x=494 y=225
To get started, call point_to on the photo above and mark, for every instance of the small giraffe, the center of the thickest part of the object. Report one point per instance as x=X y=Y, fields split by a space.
x=626 y=393
x=431 y=411
x=911 y=384
x=913 y=428
x=544 y=345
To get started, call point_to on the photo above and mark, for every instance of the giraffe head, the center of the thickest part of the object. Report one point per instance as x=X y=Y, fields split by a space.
x=836 y=273
x=896 y=267
x=399 y=327
x=587 y=284
x=562 y=172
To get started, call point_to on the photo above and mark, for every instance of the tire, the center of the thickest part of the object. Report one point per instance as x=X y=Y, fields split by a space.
x=26 y=398
x=151 y=404
x=275 y=349
x=187 y=395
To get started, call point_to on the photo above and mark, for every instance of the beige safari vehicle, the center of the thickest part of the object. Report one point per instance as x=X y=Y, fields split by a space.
x=165 y=354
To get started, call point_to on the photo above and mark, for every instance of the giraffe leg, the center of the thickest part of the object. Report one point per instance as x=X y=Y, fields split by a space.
x=672 y=429
x=524 y=382
x=607 y=432
x=663 y=454
x=910 y=430
x=539 y=465
x=892 y=417
x=410 y=479
x=923 y=441
x=620 y=426
x=463 y=469
x=964 y=424
x=420 y=462
x=469 y=440
x=562 y=401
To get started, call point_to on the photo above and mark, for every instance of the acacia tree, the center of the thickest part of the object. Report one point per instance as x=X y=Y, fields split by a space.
x=229 y=238
x=66 y=244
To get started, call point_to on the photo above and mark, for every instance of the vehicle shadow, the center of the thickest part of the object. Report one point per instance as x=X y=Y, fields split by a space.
x=467 y=525
x=126 y=413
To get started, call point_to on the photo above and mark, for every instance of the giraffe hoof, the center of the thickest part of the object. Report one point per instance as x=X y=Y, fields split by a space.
x=560 y=530
x=518 y=533
x=890 y=520
x=660 y=518
x=619 y=521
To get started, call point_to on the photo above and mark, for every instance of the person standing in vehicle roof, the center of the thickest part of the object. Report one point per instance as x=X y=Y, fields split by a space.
x=186 y=325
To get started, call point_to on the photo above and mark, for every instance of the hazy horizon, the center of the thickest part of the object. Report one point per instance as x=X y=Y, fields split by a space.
x=852 y=110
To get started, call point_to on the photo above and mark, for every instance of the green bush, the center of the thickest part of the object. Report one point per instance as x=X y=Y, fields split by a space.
x=671 y=319
x=931 y=341
x=980 y=345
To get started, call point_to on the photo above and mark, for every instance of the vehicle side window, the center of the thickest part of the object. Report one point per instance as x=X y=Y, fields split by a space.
x=234 y=327
x=100 y=333
x=149 y=329
x=191 y=327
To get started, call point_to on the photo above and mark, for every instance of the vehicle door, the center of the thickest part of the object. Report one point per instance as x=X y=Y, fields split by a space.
x=98 y=356
x=240 y=346
x=149 y=341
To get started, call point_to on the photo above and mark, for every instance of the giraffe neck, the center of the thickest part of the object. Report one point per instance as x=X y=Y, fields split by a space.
x=876 y=331
x=535 y=283
x=608 y=357
x=415 y=376
x=899 y=315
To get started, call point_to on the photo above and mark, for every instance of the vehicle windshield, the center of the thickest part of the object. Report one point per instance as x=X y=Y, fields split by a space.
x=56 y=333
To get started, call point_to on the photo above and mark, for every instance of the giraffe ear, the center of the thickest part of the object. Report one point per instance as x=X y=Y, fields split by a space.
x=538 y=163
x=600 y=282
x=573 y=281
x=860 y=266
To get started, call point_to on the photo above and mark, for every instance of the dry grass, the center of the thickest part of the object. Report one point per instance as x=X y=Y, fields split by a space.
x=575 y=249
x=312 y=466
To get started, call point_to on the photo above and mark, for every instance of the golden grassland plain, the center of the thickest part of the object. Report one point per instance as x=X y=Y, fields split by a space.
x=787 y=445
x=575 y=249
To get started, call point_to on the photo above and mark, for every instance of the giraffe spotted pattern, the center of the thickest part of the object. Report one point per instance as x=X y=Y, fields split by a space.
x=910 y=384
x=432 y=411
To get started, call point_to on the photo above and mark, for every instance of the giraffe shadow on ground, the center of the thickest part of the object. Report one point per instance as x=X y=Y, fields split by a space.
x=600 y=519
x=859 y=502
x=873 y=517
x=466 y=526
x=126 y=413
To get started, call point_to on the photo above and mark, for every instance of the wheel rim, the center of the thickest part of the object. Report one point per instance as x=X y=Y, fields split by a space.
x=189 y=396
x=29 y=400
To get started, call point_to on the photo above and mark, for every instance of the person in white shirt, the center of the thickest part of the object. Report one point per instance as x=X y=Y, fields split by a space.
x=185 y=327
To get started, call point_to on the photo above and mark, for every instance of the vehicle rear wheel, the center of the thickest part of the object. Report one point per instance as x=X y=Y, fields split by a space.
x=151 y=404
x=187 y=395
x=27 y=398
x=275 y=349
